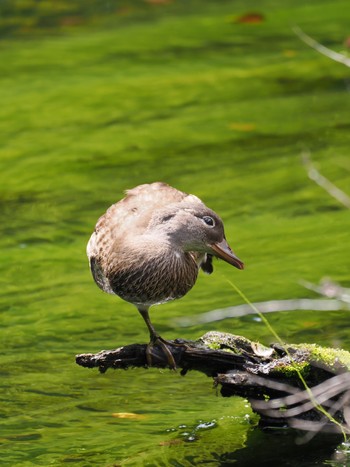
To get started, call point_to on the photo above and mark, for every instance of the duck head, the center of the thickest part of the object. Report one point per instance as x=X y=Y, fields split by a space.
x=198 y=229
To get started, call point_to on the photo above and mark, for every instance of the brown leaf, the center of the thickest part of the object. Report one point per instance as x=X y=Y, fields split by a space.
x=129 y=415
x=250 y=18
x=241 y=126
x=171 y=442
x=289 y=53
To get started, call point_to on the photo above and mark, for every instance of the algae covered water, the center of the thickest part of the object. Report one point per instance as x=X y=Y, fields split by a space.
x=216 y=105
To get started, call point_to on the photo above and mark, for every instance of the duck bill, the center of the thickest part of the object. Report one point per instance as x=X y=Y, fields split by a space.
x=223 y=251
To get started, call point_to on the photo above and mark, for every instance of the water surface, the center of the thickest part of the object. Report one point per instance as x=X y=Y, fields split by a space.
x=213 y=106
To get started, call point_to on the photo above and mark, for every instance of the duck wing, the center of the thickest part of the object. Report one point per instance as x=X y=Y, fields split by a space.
x=127 y=218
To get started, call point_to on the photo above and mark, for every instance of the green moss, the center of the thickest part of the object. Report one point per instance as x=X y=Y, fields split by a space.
x=327 y=358
x=333 y=358
x=292 y=370
x=298 y=359
x=225 y=341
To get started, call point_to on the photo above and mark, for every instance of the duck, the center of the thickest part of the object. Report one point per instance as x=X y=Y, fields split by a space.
x=149 y=247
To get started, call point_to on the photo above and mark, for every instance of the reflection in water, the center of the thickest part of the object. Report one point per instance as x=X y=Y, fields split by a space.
x=279 y=448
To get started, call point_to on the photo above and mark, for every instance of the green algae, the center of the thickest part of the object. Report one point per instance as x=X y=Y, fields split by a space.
x=291 y=369
x=188 y=96
x=332 y=358
x=225 y=341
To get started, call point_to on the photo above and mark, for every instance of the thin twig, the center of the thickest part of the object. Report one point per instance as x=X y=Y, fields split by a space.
x=334 y=393
x=337 y=57
x=265 y=307
x=336 y=298
x=329 y=289
x=323 y=182
x=299 y=402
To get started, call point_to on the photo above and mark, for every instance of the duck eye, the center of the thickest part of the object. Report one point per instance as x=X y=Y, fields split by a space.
x=209 y=221
x=167 y=218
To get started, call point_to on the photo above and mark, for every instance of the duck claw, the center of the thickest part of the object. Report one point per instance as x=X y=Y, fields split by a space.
x=164 y=345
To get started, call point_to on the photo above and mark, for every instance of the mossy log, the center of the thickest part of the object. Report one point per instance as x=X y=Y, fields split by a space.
x=305 y=386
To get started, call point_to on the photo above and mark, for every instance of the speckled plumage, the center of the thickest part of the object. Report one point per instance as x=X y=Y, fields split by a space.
x=148 y=247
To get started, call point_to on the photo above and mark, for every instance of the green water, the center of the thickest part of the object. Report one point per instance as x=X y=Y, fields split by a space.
x=183 y=94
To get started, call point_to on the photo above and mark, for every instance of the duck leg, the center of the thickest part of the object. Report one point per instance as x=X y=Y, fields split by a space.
x=155 y=340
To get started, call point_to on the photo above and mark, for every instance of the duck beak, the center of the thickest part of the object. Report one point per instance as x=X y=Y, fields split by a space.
x=223 y=251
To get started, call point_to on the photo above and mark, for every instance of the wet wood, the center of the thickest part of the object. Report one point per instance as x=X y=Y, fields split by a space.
x=271 y=378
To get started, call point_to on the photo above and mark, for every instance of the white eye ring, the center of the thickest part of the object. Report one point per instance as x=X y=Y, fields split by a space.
x=209 y=221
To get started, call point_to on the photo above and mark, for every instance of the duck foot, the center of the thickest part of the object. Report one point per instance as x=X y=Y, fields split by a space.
x=165 y=346
x=157 y=341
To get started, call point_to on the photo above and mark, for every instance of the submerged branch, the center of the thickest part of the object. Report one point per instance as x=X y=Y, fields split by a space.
x=332 y=396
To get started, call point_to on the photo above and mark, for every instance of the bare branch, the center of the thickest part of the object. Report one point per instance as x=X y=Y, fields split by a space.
x=333 y=394
x=321 y=48
x=323 y=182
x=265 y=307
x=337 y=298
x=328 y=288
x=302 y=385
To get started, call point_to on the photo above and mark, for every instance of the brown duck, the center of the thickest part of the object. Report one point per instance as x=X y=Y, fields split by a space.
x=149 y=247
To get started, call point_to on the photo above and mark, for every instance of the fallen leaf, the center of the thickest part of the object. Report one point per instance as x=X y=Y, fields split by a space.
x=129 y=415
x=241 y=126
x=289 y=53
x=250 y=18
x=170 y=442
x=262 y=351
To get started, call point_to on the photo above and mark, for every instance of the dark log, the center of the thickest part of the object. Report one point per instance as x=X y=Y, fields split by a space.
x=272 y=378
